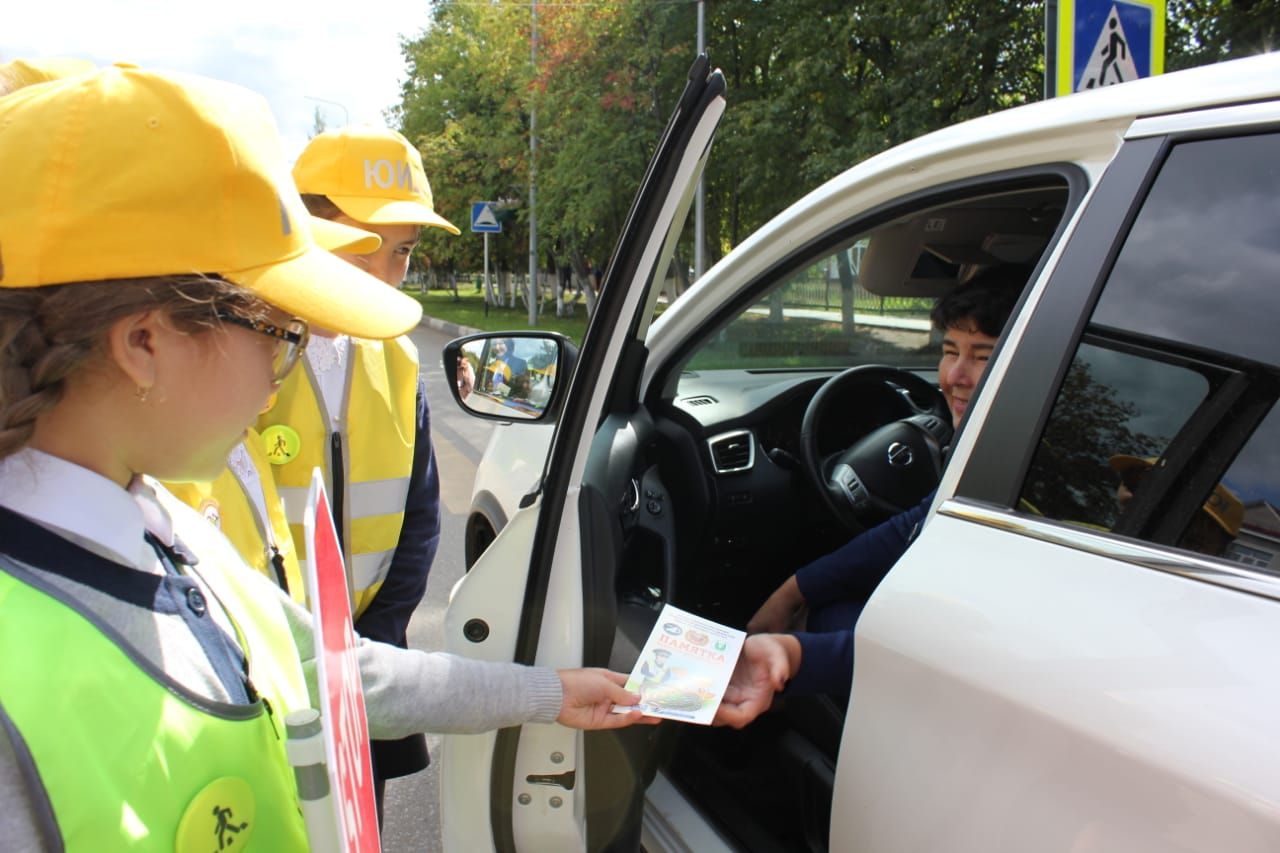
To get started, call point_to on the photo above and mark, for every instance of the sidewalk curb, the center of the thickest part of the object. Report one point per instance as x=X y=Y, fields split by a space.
x=445 y=326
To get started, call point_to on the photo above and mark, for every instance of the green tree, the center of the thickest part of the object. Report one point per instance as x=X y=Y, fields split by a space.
x=1200 y=32
x=814 y=87
x=464 y=106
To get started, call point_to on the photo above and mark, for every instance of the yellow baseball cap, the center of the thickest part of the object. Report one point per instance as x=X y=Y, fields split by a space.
x=337 y=237
x=18 y=73
x=372 y=174
x=124 y=173
x=14 y=75
x=1223 y=506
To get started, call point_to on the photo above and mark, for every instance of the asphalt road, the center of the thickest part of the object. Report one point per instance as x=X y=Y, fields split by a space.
x=412 y=822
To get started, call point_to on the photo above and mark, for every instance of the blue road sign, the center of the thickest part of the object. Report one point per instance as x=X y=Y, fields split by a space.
x=484 y=218
x=1104 y=42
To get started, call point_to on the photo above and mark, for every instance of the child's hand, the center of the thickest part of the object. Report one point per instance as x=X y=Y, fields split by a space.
x=589 y=697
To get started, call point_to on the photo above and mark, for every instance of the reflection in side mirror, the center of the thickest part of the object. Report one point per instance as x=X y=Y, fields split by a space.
x=510 y=377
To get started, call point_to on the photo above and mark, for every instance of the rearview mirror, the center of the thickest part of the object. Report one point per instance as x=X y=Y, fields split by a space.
x=509 y=376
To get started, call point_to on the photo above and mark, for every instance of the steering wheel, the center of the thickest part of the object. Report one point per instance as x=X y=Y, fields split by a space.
x=891 y=468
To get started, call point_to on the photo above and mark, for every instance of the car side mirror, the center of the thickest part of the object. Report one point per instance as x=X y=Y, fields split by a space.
x=510 y=376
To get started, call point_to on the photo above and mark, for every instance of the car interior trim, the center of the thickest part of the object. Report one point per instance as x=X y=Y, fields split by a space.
x=729 y=437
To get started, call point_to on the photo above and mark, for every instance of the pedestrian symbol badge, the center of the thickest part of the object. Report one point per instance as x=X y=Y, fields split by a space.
x=220 y=817
x=281 y=444
x=484 y=218
x=1105 y=42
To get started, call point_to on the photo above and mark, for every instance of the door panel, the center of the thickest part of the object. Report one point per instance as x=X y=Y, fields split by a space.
x=531 y=786
x=1077 y=673
x=1135 y=711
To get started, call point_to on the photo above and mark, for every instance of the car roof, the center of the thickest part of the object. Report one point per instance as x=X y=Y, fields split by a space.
x=1252 y=79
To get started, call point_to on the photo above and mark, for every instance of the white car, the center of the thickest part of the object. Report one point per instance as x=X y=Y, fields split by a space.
x=1046 y=668
x=509 y=469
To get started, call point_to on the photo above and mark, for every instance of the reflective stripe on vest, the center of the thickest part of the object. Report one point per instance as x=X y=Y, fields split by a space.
x=133 y=763
x=377 y=441
x=226 y=504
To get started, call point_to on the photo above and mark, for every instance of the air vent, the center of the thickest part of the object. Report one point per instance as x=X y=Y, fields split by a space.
x=732 y=451
x=704 y=400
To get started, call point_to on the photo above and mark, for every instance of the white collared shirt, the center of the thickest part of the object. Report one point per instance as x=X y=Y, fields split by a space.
x=94 y=513
x=102 y=517
x=328 y=359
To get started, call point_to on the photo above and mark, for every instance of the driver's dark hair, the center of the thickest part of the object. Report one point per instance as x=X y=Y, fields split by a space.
x=986 y=300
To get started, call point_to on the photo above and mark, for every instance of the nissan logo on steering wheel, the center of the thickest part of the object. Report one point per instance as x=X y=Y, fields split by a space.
x=900 y=456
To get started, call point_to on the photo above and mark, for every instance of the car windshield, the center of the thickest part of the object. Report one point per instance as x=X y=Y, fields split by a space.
x=823 y=316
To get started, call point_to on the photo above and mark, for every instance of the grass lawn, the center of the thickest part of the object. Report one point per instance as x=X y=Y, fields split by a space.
x=468 y=310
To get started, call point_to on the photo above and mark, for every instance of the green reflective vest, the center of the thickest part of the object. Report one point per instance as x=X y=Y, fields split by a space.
x=133 y=763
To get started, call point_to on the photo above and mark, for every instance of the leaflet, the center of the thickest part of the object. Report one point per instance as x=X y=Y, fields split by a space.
x=684 y=667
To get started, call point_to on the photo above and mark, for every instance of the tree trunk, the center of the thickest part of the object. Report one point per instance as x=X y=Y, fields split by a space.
x=775 y=305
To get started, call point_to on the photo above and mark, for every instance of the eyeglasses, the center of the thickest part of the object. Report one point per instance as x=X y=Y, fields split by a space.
x=291 y=340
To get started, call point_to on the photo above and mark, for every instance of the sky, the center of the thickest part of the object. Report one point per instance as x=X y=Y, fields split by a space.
x=290 y=51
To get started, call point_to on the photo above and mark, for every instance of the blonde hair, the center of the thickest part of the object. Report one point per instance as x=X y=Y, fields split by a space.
x=48 y=333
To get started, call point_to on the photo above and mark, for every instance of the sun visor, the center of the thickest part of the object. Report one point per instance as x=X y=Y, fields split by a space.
x=927 y=255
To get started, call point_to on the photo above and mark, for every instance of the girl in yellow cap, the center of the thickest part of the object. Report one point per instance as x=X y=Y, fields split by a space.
x=357 y=408
x=242 y=501
x=157 y=281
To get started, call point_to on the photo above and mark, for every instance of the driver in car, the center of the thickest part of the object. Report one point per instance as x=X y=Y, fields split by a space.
x=835 y=587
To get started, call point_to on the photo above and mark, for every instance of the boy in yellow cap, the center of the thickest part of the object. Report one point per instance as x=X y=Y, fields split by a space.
x=357 y=408
x=146 y=314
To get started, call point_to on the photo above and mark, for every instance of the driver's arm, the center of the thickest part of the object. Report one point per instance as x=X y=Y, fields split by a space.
x=852 y=571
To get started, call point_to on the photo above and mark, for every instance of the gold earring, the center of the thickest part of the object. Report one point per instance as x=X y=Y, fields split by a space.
x=142 y=394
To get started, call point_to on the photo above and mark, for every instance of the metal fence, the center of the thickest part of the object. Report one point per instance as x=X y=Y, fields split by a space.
x=820 y=292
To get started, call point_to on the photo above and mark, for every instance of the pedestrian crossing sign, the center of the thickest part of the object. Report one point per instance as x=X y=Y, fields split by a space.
x=1104 y=42
x=484 y=218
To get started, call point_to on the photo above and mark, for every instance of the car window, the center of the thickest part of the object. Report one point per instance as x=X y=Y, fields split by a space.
x=1114 y=406
x=867 y=299
x=1252 y=480
x=1165 y=427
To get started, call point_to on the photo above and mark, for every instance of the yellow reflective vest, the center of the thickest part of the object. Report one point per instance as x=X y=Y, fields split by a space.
x=265 y=543
x=366 y=454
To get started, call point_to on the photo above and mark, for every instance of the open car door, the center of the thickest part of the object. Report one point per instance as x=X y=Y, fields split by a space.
x=547 y=590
